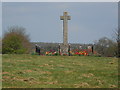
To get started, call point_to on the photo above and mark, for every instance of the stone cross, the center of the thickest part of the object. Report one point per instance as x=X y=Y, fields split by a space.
x=65 y=19
x=64 y=46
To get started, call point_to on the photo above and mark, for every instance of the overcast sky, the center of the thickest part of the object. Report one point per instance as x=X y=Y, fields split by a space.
x=89 y=21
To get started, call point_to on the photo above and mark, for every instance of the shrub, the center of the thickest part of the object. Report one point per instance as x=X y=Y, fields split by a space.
x=15 y=41
x=56 y=54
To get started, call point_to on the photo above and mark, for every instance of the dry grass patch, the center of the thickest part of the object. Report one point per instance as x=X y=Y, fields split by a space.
x=23 y=60
x=68 y=72
x=88 y=75
x=81 y=85
x=45 y=72
x=28 y=71
x=5 y=72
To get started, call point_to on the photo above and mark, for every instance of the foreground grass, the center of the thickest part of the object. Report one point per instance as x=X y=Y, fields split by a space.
x=32 y=71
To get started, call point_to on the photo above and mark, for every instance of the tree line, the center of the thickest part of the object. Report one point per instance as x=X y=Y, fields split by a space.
x=16 y=41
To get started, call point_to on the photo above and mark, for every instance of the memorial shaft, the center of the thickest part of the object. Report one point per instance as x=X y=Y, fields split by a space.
x=65 y=19
x=65 y=30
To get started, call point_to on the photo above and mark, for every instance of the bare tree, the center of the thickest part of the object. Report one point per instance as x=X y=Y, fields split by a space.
x=106 y=47
x=117 y=40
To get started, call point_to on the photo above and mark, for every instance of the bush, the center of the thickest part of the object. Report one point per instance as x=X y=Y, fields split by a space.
x=106 y=47
x=56 y=54
x=15 y=41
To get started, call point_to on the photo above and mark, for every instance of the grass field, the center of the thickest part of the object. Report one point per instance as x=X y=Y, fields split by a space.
x=32 y=71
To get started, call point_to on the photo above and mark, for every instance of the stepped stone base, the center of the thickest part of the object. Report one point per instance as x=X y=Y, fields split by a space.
x=64 y=49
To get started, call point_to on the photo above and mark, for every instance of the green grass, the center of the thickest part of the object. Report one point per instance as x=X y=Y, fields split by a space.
x=32 y=71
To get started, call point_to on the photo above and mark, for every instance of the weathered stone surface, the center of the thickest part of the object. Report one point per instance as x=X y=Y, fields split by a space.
x=64 y=46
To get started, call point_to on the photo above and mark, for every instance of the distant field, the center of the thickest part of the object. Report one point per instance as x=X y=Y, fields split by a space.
x=33 y=71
